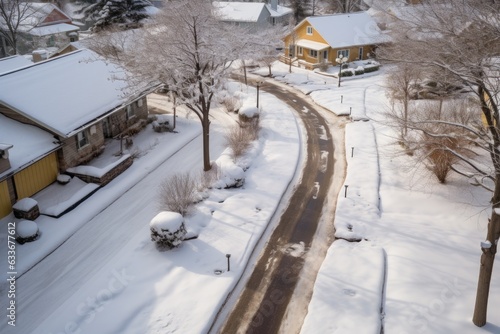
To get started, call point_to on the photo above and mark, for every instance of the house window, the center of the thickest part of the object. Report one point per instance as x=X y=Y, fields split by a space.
x=309 y=30
x=82 y=139
x=343 y=53
x=325 y=54
x=300 y=51
x=313 y=53
x=130 y=112
x=360 y=53
x=139 y=103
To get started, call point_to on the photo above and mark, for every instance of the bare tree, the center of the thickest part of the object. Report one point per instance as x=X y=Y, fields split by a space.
x=344 y=6
x=14 y=15
x=461 y=39
x=185 y=48
x=400 y=86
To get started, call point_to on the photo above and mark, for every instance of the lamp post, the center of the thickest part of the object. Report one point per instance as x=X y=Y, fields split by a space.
x=258 y=83
x=341 y=61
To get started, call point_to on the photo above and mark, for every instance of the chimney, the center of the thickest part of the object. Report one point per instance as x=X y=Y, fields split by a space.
x=274 y=4
x=39 y=55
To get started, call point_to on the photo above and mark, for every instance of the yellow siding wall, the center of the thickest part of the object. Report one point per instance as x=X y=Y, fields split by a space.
x=301 y=33
x=5 y=206
x=36 y=177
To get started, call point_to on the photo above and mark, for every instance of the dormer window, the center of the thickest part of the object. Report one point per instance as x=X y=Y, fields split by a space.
x=309 y=30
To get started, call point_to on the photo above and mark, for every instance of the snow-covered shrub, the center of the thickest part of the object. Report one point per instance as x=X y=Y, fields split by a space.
x=27 y=231
x=231 y=175
x=231 y=103
x=323 y=66
x=178 y=193
x=348 y=72
x=359 y=70
x=161 y=123
x=238 y=138
x=63 y=178
x=371 y=68
x=167 y=229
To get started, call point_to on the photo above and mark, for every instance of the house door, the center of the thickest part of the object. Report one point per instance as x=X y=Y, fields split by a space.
x=325 y=55
x=106 y=128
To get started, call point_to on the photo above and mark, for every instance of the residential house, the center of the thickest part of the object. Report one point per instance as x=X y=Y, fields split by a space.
x=319 y=39
x=42 y=25
x=77 y=100
x=254 y=15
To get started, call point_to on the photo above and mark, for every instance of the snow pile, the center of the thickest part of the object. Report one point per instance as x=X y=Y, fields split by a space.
x=358 y=202
x=353 y=276
x=167 y=229
x=248 y=109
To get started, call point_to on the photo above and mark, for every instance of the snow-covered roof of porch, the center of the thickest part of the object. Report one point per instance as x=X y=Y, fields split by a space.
x=312 y=45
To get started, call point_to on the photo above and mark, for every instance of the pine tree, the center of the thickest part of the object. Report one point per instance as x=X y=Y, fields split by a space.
x=106 y=13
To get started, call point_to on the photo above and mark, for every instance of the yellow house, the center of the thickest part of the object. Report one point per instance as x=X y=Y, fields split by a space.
x=318 y=39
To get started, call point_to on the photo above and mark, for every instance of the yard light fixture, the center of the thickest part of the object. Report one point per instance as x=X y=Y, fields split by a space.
x=341 y=61
x=228 y=263
x=258 y=83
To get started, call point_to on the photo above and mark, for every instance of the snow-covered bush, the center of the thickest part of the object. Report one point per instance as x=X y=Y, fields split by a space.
x=359 y=70
x=348 y=72
x=231 y=103
x=231 y=175
x=178 y=193
x=238 y=138
x=27 y=231
x=371 y=68
x=167 y=229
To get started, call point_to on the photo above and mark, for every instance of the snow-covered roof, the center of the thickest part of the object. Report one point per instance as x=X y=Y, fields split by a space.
x=67 y=93
x=28 y=142
x=343 y=30
x=280 y=11
x=53 y=29
x=312 y=45
x=239 y=11
x=11 y=63
x=41 y=14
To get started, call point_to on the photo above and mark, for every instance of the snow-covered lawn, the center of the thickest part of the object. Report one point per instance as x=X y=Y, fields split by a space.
x=418 y=261
x=422 y=237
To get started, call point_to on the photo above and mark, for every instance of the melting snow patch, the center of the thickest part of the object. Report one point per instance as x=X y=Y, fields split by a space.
x=296 y=250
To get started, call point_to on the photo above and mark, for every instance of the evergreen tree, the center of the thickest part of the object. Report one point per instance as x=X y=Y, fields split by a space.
x=106 y=13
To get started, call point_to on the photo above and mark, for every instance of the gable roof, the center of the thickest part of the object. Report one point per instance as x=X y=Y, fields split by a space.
x=280 y=11
x=67 y=93
x=343 y=30
x=239 y=11
x=29 y=143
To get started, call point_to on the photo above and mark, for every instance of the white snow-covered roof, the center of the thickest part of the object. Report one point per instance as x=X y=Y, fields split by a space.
x=343 y=30
x=28 y=142
x=239 y=11
x=11 y=63
x=66 y=93
x=312 y=45
x=53 y=29
x=280 y=11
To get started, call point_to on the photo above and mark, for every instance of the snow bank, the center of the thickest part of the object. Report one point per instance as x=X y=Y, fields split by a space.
x=96 y=171
x=358 y=202
x=231 y=175
x=347 y=294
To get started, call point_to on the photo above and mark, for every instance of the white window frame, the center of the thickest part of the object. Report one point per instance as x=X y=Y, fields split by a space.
x=82 y=139
x=313 y=53
x=309 y=30
x=343 y=53
x=300 y=51
x=139 y=103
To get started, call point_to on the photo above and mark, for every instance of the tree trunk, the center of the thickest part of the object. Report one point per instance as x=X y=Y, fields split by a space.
x=486 y=267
